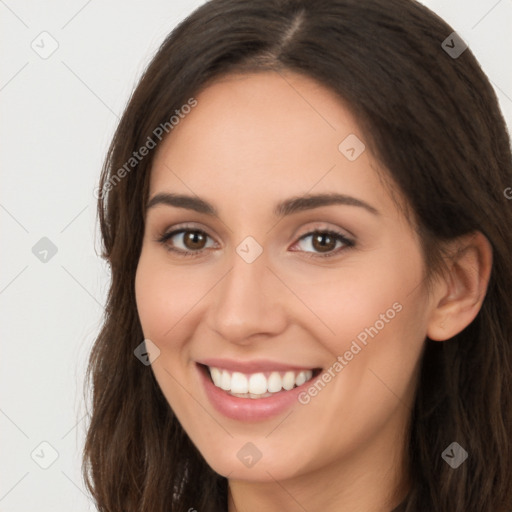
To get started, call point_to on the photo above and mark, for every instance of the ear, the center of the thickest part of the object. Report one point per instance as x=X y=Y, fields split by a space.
x=460 y=293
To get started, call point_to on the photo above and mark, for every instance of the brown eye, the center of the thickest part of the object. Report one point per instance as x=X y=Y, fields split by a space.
x=194 y=240
x=323 y=242
x=185 y=242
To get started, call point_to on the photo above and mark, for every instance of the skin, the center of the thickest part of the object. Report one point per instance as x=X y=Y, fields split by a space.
x=252 y=141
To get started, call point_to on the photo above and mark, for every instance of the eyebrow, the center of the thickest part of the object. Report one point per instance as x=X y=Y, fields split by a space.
x=282 y=209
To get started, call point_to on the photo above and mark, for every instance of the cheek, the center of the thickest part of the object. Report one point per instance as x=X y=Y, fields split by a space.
x=164 y=303
x=380 y=333
x=366 y=297
x=166 y=296
x=376 y=314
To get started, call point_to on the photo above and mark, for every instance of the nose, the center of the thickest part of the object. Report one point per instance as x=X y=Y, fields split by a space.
x=248 y=303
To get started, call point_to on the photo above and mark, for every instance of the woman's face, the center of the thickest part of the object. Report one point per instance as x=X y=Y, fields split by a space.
x=267 y=302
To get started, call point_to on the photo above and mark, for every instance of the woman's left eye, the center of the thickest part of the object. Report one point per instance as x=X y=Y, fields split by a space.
x=193 y=242
x=325 y=241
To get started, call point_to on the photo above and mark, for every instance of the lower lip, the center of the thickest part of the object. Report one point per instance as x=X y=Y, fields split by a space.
x=249 y=409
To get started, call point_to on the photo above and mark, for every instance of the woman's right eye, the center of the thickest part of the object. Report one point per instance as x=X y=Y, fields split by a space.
x=192 y=241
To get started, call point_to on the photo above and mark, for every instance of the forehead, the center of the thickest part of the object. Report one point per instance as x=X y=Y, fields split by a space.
x=266 y=135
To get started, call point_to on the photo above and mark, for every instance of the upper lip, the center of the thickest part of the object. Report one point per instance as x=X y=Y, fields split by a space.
x=253 y=366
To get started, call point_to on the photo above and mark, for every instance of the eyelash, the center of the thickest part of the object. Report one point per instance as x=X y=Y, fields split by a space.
x=348 y=244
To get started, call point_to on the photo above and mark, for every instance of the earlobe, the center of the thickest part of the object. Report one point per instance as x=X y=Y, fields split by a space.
x=460 y=294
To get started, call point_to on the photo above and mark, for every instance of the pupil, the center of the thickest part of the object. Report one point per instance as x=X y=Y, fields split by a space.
x=193 y=238
x=324 y=247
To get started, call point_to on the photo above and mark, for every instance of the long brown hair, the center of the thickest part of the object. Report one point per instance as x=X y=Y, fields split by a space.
x=432 y=119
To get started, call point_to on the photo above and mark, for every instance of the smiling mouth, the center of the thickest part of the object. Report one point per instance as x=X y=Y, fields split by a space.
x=259 y=384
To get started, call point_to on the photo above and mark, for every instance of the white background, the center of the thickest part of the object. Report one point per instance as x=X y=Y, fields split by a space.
x=58 y=115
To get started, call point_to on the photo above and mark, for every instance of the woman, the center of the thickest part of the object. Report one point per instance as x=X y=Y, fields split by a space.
x=304 y=213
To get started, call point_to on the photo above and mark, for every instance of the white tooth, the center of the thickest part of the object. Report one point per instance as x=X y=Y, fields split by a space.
x=288 y=380
x=257 y=384
x=274 y=383
x=225 y=382
x=239 y=383
x=240 y=395
x=300 y=379
x=216 y=376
